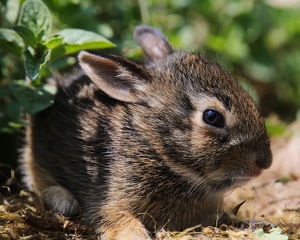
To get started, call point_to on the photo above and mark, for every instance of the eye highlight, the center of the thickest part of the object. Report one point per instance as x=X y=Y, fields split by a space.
x=213 y=118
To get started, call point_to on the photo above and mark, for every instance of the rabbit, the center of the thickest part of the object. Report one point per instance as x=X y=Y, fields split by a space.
x=139 y=147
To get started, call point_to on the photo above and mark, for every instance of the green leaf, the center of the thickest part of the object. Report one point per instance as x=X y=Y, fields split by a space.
x=13 y=110
x=275 y=128
x=35 y=15
x=33 y=99
x=50 y=89
x=11 y=42
x=275 y=234
x=12 y=10
x=33 y=65
x=77 y=39
x=4 y=92
x=259 y=232
x=4 y=120
x=27 y=35
x=135 y=53
x=15 y=125
x=298 y=115
x=54 y=41
x=62 y=63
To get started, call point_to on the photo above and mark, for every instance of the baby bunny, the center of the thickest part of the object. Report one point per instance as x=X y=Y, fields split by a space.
x=141 y=147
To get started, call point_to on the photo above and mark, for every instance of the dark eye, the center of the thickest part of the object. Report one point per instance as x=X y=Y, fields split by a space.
x=213 y=118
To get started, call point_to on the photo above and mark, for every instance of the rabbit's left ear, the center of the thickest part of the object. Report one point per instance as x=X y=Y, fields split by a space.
x=118 y=77
x=153 y=42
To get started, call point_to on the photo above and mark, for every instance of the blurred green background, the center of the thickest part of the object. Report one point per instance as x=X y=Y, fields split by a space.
x=257 y=41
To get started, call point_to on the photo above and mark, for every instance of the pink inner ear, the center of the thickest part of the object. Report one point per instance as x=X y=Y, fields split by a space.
x=153 y=42
x=111 y=77
x=158 y=48
x=97 y=64
x=103 y=67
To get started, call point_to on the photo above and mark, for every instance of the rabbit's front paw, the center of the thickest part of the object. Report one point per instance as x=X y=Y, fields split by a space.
x=61 y=201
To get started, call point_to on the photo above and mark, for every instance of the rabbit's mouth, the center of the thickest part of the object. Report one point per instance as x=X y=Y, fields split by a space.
x=248 y=175
x=238 y=179
x=254 y=172
x=235 y=178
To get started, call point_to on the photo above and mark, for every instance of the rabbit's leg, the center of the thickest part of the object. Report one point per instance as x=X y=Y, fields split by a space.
x=123 y=227
x=60 y=200
x=57 y=198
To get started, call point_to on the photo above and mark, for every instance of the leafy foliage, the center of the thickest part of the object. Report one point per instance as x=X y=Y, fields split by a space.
x=32 y=42
x=32 y=99
x=258 y=40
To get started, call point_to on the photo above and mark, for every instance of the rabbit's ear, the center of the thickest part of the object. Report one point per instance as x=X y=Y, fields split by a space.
x=118 y=77
x=153 y=42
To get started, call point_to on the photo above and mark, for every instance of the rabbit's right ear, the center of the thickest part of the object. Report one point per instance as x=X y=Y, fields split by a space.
x=153 y=42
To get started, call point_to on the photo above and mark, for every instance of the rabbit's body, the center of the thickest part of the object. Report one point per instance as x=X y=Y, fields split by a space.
x=136 y=146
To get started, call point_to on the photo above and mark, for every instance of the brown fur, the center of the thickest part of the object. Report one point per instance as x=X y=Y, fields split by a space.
x=128 y=144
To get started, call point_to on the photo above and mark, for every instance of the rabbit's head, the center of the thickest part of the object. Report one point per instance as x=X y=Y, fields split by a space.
x=191 y=112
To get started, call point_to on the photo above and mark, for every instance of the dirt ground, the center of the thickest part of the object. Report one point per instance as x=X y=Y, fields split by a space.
x=273 y=197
